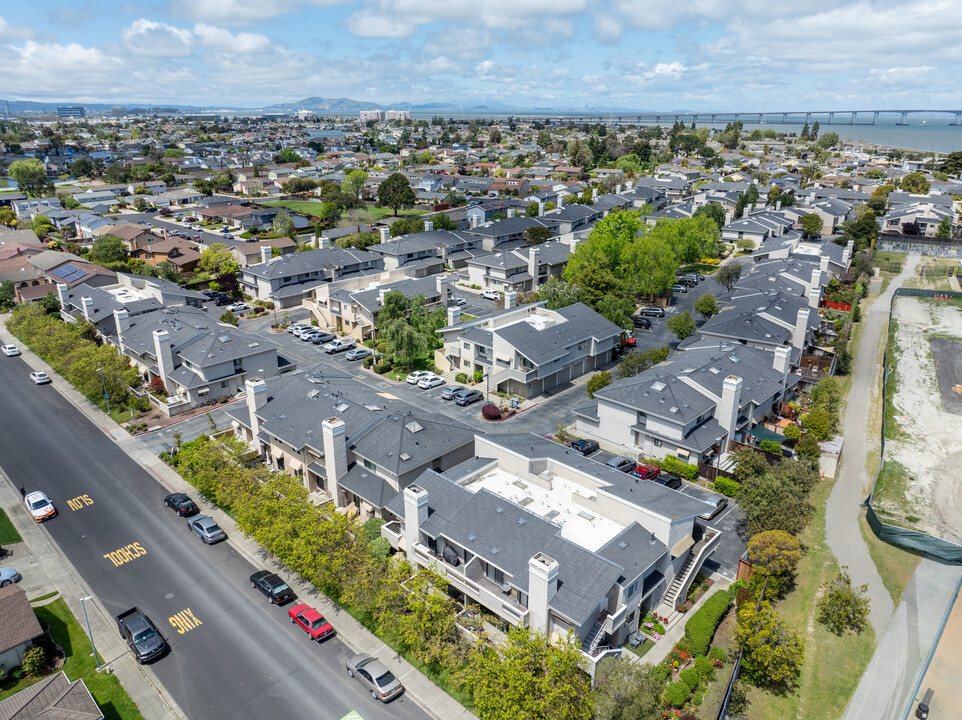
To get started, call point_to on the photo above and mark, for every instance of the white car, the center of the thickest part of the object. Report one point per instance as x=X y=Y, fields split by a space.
x=297 y=327
x=430 y=381
x=39 y=506
x=458 y=300
x=10 y=350
x=415 y=377
x=491 y=295
x=39 y=377
x=237 y=307
x=336 y=346
x=304 y=329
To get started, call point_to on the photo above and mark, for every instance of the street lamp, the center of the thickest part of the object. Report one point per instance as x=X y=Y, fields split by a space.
x=90 y=634
x=106 y=396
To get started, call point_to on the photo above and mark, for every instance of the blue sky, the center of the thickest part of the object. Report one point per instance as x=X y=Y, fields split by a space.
x=641 y=54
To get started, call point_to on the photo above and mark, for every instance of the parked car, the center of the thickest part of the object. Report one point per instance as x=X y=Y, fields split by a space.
x=209 y=294
x=358 y=353
x=451 y=390
x=11 y=350
x=430 y=381
x=238 y=307
x=414 y=377
x=39 y=377
x=644 y=472
x=8 y=576
x=276 y=590
x=39 y=506
x=141 y=635
x=717 y=502
x=227 y=236
x=669 y=480
x=309 y=335
x=679 y=288
x=490 y=294
x=621 y=463
x=458 y=300
x=322 y=337
x=652 y=312
x=221 y=300
x=339 y=345
x=305 y=329
x=297 y=327
x=467 y=397
x=181 y=504
x=207 y=529
x=374 y=676
x=641 y=323
x=311 y=621
x=585 y=447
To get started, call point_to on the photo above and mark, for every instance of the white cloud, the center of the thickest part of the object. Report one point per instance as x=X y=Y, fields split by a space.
x=153 y=39
x=241 y=12
x=372 y=24
x=14 y=31
x=221 y=40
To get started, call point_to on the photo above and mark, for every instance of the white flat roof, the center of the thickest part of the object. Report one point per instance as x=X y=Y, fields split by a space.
x=578 y=524
x=125 y=293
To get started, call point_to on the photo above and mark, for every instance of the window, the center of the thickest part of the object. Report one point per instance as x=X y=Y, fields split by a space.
x=280 y=463
x=631 y=589
x=467 y=346
x=657 y=443
x=224 y=384
x=367 y=464
x=238 y=365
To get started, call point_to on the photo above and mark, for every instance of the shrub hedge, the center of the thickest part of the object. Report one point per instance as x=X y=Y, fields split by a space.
x=701 y=626
x=490 y=412
x=672 y=464
x=690 y=677
x=727 y=486
x=677 y=693
x=461 y=378
x=382 y=368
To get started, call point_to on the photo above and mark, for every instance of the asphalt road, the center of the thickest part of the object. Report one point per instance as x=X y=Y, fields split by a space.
x=244 y=659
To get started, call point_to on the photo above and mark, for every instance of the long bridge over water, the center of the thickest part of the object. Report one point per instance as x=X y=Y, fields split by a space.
x=822 y=117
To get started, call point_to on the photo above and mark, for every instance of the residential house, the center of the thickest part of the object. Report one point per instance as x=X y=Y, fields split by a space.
x=180 y=196
x=692 y=406
x=52 y=697
x=524 y=269
x=757 y=226
x=179 y=252
x=509 y=232
x=346 y=442
x=528 y=350
x=549 y=540
x=417 y=253
x=134 y=236
x=28 y=208
x=18 y=626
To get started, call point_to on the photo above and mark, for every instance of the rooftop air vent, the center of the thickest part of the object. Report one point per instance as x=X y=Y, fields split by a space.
x=405 y=456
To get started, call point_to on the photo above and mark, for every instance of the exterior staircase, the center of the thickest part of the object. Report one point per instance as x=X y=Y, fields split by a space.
x=594 y=637
x=682 y=580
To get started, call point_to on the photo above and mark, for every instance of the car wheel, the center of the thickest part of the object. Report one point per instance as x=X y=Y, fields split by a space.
x=350 y=673
x=4 y=583
x=374 y=695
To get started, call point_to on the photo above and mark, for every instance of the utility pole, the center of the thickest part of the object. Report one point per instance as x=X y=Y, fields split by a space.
x=89 y=634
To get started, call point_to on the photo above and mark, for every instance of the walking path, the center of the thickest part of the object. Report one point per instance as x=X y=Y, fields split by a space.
x=852 y=482
x=152 y=699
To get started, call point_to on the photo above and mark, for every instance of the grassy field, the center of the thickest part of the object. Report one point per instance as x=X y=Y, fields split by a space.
x=67 y=633
x=833 y=665
x=894 y=564
x=8 y=533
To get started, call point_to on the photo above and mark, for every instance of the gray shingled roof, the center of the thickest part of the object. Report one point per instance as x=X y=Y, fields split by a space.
x=541 y=346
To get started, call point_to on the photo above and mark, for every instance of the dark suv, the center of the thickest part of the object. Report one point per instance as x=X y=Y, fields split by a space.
x=276 y=590
x=652 y=312
x=585 y=447
x=669 y=480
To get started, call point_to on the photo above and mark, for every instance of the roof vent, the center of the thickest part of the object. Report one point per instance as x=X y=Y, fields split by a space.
x=471 y=538
x=405 y=456
x=342 y=407
x=313 y=393
x=494 y=551
x=499 y=510
x=622 y=544
x=521 y=521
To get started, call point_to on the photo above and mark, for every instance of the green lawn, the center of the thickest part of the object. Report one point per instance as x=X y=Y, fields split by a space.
x=894 y=564
x=68 y=634
x=373 y=214
x=833 y=665
x=8 y=533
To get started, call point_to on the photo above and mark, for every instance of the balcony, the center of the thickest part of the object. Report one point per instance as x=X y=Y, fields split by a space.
x=480 y=589
x=393 y=534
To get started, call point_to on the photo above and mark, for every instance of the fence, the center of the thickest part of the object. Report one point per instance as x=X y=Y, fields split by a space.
x=723 y=710
x=893 y=534
x=938 y=270
x=833 y=305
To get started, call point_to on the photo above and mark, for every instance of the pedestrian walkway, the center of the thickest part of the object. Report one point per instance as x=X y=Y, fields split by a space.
x=144 y=690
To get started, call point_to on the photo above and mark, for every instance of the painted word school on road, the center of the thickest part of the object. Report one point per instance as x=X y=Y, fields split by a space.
x=126 y=554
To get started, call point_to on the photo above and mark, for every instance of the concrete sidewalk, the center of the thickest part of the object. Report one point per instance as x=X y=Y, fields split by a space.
x=417 y=685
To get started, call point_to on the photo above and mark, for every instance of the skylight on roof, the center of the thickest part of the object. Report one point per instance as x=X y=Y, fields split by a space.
x=342 y=407
x=658 y=386
x=405 y=456
x=414 y=426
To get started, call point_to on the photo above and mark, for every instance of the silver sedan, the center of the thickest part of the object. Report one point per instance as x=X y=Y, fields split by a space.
x=204 y=527
x=374 y=676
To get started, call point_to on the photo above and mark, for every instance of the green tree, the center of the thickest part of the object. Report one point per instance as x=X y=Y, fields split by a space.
x=706 y=306
x=596 y=382
x=774 y=554
x=843 y=606
x=107 y=250
x=405 y=341
x=229 y=318
x=174 y=152
x=944 y=230
x=299 y=185
x=624 y=690
x=42 y=225
x=637 y=361
x=773 y=653
x=863 y=230
x=601 y=263
x=528 y=677
x=287 y=155
x=617 y=310
x=353 y=183
x=395 y=192
x=689 y=238
x=828 y=140
x=83 y=167
x=218 y=260
x=681 y=325
x=915 y=183
x=714 y=211
x=728 y=275
x=557 y=294
x=7 y=217
x=818 y=422
x=31 y=177
x=7 y=296
x=536 y=234
x=812 y=223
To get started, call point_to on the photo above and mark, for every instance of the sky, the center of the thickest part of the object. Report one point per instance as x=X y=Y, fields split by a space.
x=647 y=55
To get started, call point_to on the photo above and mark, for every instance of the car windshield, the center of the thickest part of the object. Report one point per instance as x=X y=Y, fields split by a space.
x=144 y=635
x=40 y=504
x=278 y=589
x=185 y=503
x=212 y=528
x=385 y=679
x=317 y=624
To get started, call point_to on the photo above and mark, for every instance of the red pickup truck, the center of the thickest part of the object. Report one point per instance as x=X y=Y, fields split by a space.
x=311 y=620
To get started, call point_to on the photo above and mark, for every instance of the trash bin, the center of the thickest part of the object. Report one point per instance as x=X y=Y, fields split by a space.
x=922 y=711
x=515 y=402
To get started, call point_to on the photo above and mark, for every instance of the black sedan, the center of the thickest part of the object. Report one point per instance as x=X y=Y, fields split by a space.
x=181 y=504
x=276 y=590
x=585 y=447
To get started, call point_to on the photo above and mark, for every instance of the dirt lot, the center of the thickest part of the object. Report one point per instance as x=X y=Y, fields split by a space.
x=928 y=446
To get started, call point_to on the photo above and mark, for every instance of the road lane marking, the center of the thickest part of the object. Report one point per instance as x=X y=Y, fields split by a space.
x=126 y=554
x=184 y=621
x=79 y=502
